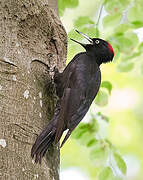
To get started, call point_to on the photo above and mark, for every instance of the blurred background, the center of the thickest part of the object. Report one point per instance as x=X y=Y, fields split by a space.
x=108 y=144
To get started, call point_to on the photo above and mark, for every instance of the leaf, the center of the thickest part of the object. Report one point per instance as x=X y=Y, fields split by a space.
x=80 y=130
x=115 y=6
x=142 y=69
x=140 y=48
x=86 y=137
x=77 y=134
x=121 y=28
x=137 y=24
x=125 y=67
x=134 y=55
x=92 y=142
x=135 y=14
x=94 y=124
x=127 y=42
x=107 y=85
x=105 y=118
x=99 y=154
x=102 y=98
x=61 y=7
x=112 y=20
x=71 y=3
x=120 y=163
x=63 y=4
x=133 y=37
x=124 y=43
x=106 y=174
x=93 y=32
x=84 y=126
x=81 y=21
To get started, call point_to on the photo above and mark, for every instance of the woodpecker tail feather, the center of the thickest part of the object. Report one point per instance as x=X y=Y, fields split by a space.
x=42 y=143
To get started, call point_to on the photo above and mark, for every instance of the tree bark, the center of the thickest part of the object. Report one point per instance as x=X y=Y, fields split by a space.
x=54 y=5
x=29 y=30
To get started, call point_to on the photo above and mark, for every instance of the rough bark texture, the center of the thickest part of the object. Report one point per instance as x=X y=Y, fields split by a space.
x=29 y=29
x=54 y=5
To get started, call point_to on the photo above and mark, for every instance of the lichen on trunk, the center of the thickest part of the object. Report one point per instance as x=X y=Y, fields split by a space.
x=29 y=30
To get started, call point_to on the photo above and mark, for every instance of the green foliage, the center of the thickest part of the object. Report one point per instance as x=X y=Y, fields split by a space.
x=125 y=67
x=113 y=7
x=82 y=21
x=120 y=163
x=103 y=117
x=63 y=4
x=135 y=15
x=100 y=149
x=140 y=48
x=99 y=154
x=121 y=29
x=107 y=85
x=118 y=27
x=92 y=142
x=101 y=98
x=112 y=20
x=142 y=69
x=106 y=174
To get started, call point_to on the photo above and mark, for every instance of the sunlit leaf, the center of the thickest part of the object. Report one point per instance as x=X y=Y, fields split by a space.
x=133 y=37
x=121 y=28
x=120 y=163
x=106 y=174
x=107 y=85
x=102 y=98
x=137 y=24
x=135 y=14
x=61 y=7
x=80 y=130
x=124 y=42
x=140 y=48
x=142 y=69
x=81 y=21
x=86 y=137
x=63 y=4
x=112 y=20
x=93 y=32
x=99 y=154
x=134 y=55
x=71 y=3
x=77 y=133
x=115 y=6
x=94 y=124
x=125 y=67
x=92 y=142
x=103 y=116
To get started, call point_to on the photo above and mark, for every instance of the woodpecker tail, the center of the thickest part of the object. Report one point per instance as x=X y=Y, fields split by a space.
x=43 y=141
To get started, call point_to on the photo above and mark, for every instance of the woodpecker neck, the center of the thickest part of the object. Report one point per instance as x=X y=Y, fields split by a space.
x=94 y=57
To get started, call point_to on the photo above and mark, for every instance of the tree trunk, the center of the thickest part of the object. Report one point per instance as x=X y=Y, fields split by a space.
x=29 y=30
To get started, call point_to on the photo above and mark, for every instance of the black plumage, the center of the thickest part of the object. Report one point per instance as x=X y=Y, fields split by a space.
x=77 y=87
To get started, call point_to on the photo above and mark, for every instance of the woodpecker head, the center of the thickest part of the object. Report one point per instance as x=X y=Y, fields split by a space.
x=99 y=48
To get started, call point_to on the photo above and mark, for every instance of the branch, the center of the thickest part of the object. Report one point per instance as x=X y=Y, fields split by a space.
x=100 y=12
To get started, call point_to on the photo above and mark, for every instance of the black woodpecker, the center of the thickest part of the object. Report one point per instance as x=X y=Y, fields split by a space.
x=76 y=88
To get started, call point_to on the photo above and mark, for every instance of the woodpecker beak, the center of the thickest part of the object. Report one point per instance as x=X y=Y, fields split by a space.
x=85 y=36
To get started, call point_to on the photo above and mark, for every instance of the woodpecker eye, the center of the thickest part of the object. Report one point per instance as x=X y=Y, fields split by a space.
x=97 y=41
